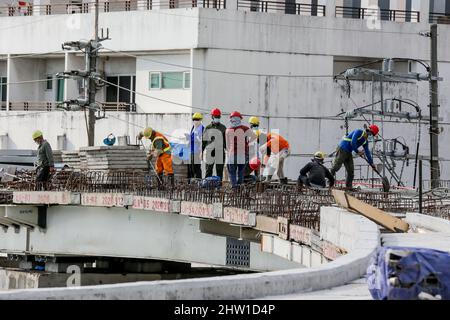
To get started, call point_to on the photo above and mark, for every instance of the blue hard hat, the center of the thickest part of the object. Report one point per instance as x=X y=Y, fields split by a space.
x=109 y=140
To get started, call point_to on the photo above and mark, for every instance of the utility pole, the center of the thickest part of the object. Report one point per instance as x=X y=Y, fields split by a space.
x=92 y=53
x=434 y=111
x=89 y=75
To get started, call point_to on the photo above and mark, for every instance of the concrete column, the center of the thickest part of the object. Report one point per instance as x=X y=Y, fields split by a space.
x=425 y=12
x=330 y=9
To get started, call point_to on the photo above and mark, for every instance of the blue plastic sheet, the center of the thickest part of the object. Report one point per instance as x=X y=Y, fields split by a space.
x=402 y=273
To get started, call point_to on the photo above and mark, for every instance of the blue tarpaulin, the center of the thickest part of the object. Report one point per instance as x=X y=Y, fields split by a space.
x=402 y=273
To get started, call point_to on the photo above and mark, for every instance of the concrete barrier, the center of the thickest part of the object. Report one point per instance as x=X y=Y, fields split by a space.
x=428 y=222
x=344 y=229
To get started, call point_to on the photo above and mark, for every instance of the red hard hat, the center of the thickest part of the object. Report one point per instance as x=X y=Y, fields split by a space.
x=216 y=112
x=374 y=129
x=235 y=114
x=254 y=163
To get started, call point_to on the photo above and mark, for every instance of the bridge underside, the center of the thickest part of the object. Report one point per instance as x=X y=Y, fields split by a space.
x=131 y=233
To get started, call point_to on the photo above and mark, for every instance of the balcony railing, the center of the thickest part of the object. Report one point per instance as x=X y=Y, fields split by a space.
x=108 y=6
x=440 y=18
x=118 y=106
x=381 y=14
x=31 y=106
x=281 y=7
x=52 y=106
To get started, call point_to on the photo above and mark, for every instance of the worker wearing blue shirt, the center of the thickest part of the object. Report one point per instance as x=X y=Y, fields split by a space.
x=351 y=143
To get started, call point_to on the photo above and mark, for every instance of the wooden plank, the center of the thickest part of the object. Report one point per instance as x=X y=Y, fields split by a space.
x=340 y=198
x=378 y=216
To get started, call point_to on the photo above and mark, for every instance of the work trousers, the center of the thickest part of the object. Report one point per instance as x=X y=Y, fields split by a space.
x=164 y=164
x=219 y=169
x=344 y=158
x=236 y=173
x=195 y=166
x=276 y=164
x=42 y=174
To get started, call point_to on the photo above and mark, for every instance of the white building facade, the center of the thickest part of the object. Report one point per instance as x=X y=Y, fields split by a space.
x=275 y=60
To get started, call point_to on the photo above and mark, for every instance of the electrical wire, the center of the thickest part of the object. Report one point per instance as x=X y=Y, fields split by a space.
x=220 y=71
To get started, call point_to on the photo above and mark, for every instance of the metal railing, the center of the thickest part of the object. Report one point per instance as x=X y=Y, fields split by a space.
x=52 y=106
x=281 y=7
x=32 y=106
x=440 y=18
x=108 y=6
x=380 y=14
x=118 y=106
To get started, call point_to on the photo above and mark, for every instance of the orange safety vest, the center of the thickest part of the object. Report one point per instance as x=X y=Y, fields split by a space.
x=166 y=145
x=276 y=143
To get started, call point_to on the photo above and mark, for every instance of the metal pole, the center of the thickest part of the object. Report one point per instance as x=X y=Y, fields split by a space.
x=382 y=127
x=434 y=111
x=92 y=85
x=420 y=186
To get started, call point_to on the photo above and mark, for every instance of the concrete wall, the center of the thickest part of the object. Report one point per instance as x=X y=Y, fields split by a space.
x=428 y=222
x=73 y=125
x=341 y=271
x=149 y=63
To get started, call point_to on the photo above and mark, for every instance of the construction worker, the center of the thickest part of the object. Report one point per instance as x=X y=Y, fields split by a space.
x=160 y=148
x=195 y=147
x=276 y=150
x=214 y=140
x=314 y=173
x=45 y=163
x=351 y=143
x=260 y=137
x=237 y=138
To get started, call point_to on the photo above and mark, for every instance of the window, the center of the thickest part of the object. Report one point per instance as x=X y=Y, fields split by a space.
x=115 y=94
x=49 y=82
x=170 y=80
x=187 y=80
x=155 y=80
x=3 y=88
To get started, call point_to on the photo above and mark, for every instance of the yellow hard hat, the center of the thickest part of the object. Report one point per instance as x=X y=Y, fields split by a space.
x=148 y=132
x=319 y=155
x=197 y=116
x=37 y=134
x=254 y=121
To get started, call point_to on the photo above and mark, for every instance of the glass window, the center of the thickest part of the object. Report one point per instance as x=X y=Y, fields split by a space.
x=111 y=89
x=49 y=82
x=124 y=82
x=3 y=88
x=155 y=80
x=187 y=80
x=172 y=80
